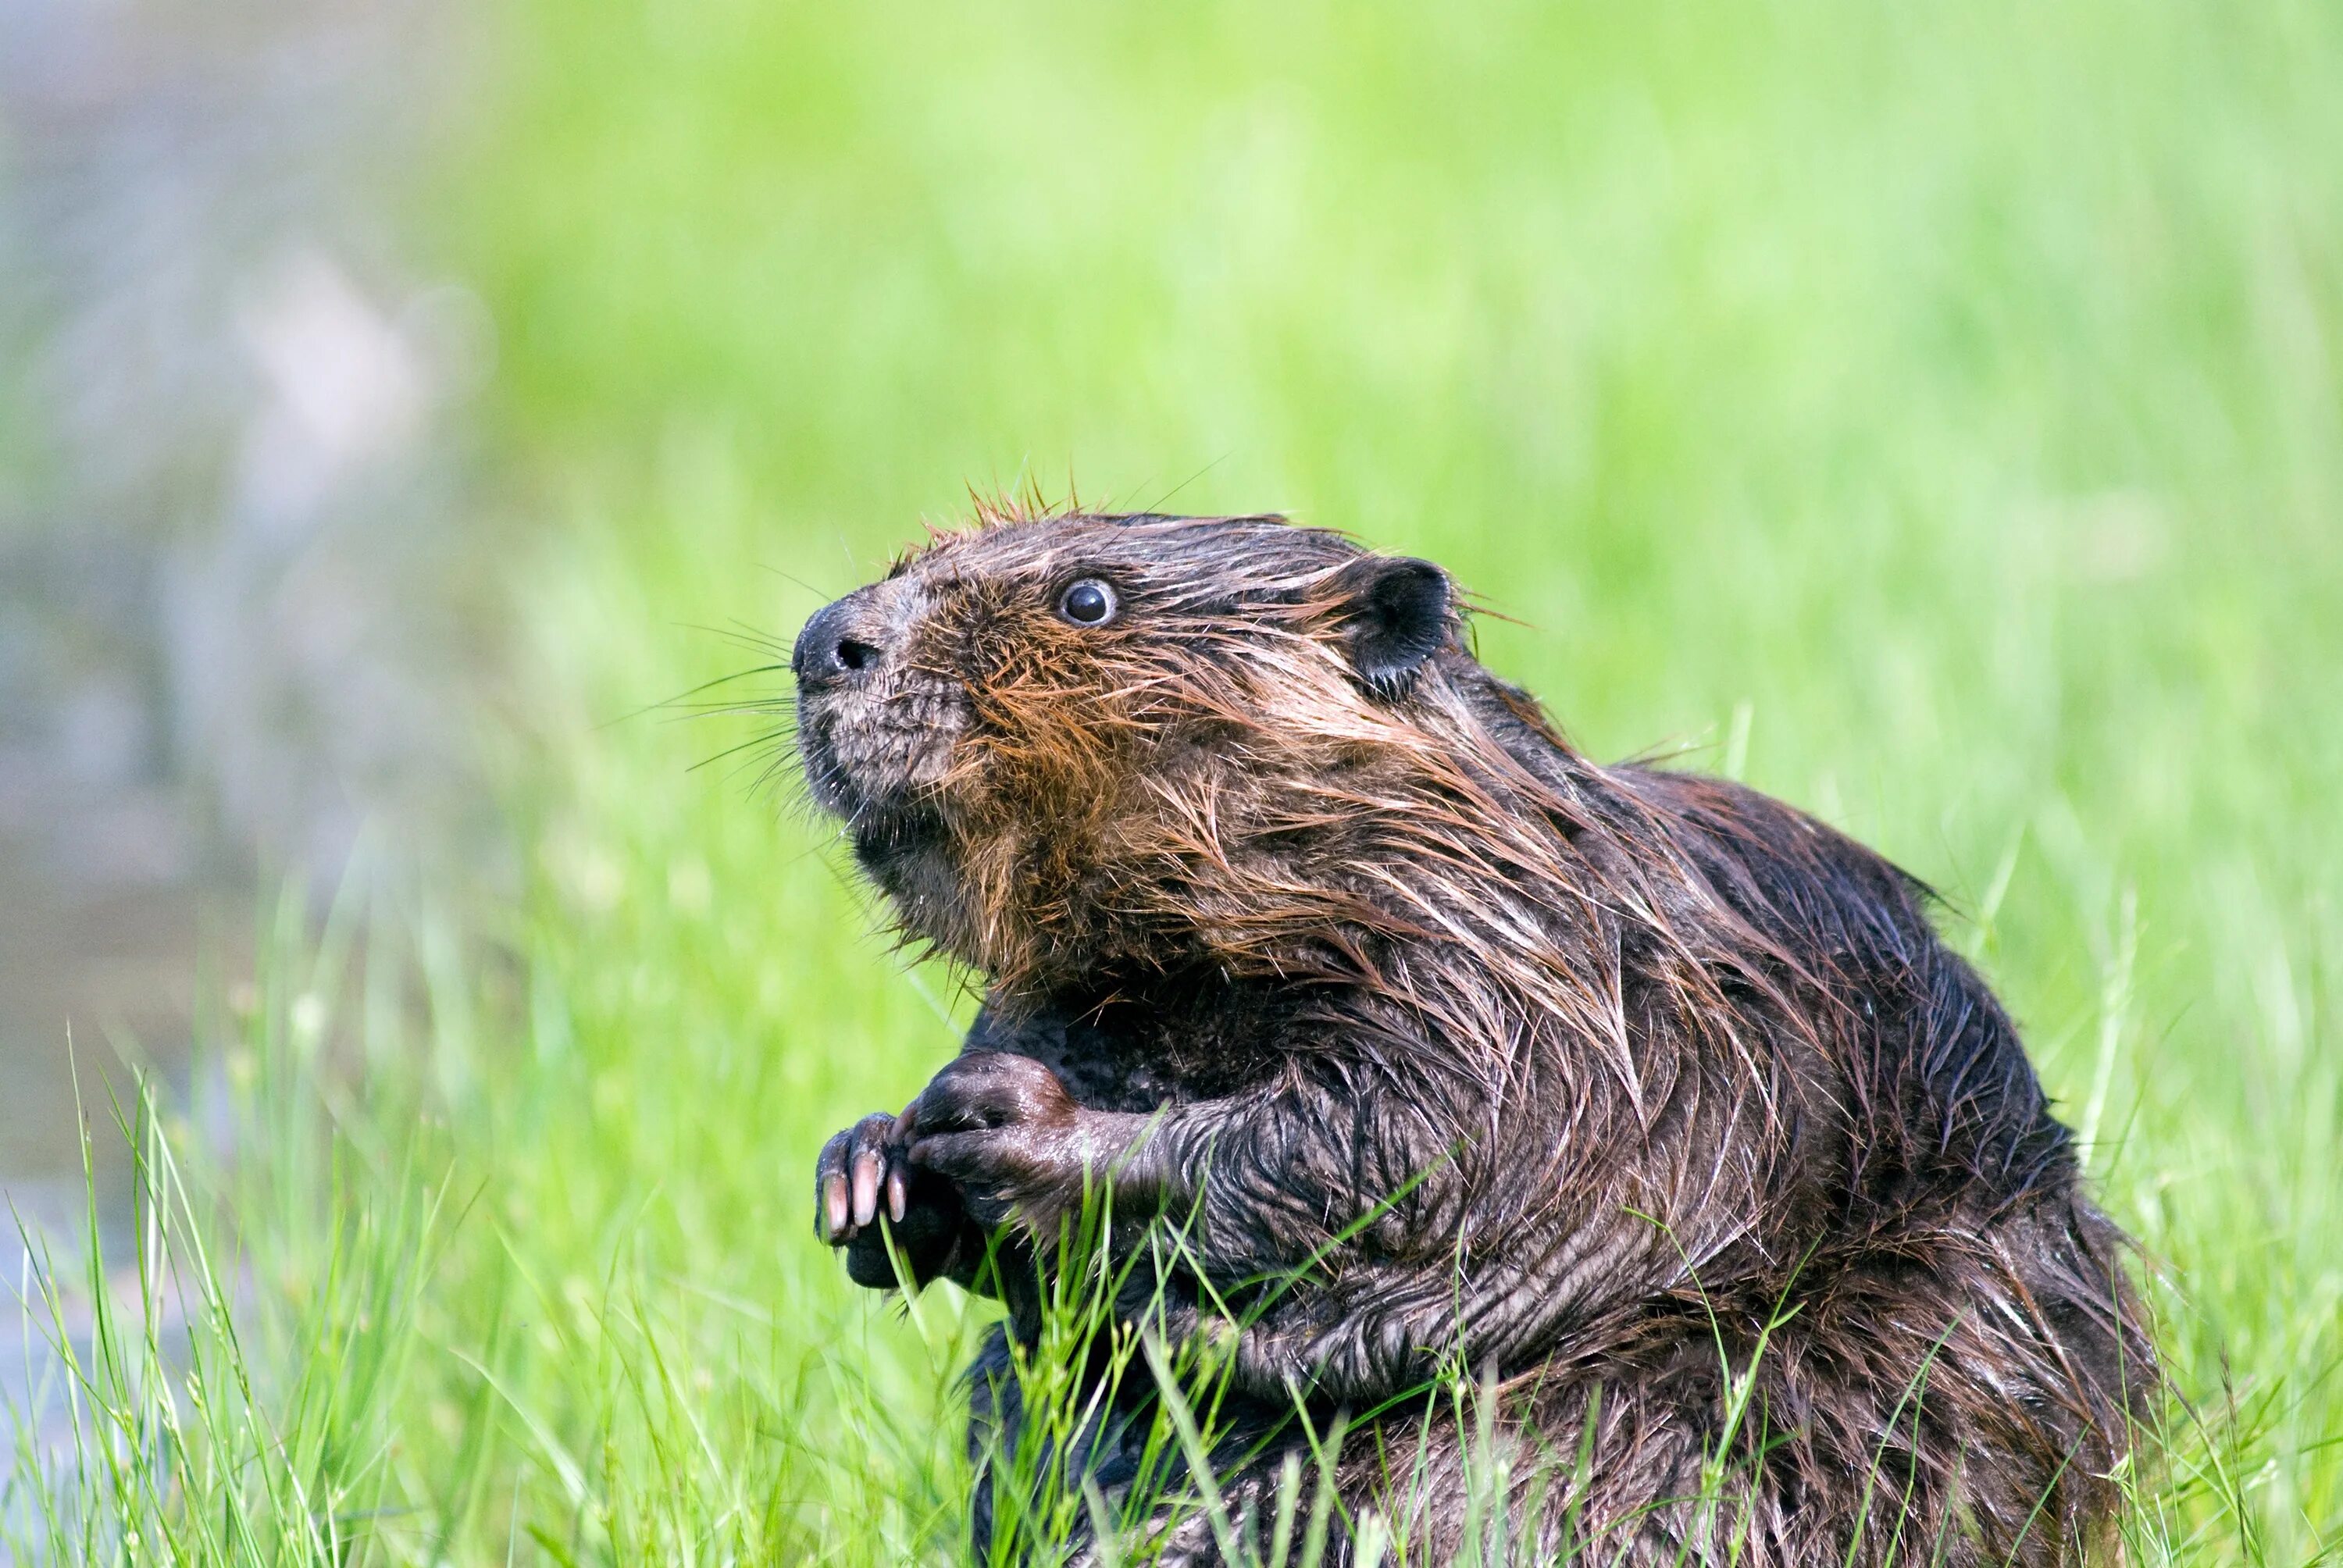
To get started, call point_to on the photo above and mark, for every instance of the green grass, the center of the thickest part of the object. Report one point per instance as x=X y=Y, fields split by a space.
x=1934 y=414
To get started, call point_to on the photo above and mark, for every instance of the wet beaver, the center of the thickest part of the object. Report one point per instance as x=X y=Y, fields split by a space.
x=1647 y=1106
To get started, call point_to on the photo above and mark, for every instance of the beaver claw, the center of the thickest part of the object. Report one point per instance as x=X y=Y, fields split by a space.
x=855 y=1169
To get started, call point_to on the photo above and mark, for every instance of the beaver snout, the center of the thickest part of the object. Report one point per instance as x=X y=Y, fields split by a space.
x=876 y=721
x=841 y=643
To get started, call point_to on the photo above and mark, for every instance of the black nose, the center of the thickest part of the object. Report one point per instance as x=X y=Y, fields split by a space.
x=829 y=653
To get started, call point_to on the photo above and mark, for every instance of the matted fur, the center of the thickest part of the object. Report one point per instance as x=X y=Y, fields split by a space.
x=1591 y=1081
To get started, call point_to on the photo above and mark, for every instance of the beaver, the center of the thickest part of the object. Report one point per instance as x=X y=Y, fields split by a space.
x=1649 y=1113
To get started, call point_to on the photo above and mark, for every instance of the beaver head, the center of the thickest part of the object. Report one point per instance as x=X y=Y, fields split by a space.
x=1063 y=741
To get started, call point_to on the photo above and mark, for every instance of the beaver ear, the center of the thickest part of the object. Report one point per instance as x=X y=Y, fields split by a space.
x=1397 y=612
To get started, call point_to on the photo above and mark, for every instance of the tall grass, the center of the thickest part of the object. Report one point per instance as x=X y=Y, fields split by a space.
x=1935 y=416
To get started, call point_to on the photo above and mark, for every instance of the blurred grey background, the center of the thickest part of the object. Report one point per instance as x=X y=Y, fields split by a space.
x=234 y=628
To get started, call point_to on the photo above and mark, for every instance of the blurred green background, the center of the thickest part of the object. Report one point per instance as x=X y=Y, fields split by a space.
x=1933 y=415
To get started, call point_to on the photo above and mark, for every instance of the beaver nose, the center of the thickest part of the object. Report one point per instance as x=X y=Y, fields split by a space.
x=829 y=653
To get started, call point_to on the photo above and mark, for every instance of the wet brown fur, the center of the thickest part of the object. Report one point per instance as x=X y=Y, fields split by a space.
x=1594 y=1080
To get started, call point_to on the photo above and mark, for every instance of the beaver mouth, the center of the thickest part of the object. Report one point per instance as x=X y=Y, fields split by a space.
x=888 y=835
x=887 y=828
x=888 y=818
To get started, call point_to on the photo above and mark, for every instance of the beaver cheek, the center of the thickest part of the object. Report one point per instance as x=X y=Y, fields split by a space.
x=928 y=726
x=930 y=763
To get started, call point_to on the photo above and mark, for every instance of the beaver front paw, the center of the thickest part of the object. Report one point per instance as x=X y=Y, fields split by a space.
x=1003 y=1130
x=980 y=1091
x=865 y=1172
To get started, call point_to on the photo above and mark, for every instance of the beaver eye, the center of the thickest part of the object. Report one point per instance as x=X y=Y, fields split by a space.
x=1088 y=602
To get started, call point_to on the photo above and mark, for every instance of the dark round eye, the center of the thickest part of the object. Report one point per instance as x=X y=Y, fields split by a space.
x=1088 y=602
